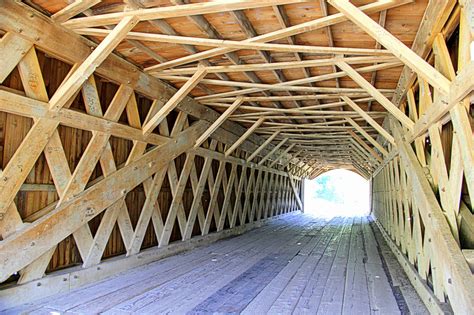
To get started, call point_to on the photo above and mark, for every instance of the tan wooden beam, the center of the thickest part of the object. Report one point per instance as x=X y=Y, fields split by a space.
x=460 y=88
x=173 y=11
x=74 y=82
x=439 y=12
x=222 y=101
x=185 y=40
x=73 y=9
x=367 y=136
x=216 y=124
x=266 y=157
x=373 y=78
x=27 y=107
x=262 y=146
x=174 y=100
x=276 y=87
x=366 y=147
x=242 y=138
x=12 y=49
x=284 y=152
x=385 y=102
x=405 y=54
x=226 y=208
x=196 y=205
x=277 y=65
x=369 y=119
x=318 y=78
x=177 y=201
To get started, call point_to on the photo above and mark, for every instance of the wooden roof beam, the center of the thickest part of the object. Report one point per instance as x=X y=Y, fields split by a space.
x=88 y=66
x=279 y=65
x=211 y=32
x=242 y=138
x=373 y=78
x=368 y=136
x=365 y=145
x=216 y=124
x=166 y=28
x=247 y=28
x=405 y=54
x=173 y=101
x=276 y=87
x=281 y=154
x=385 y=102
x=283 y=33
x=173 y=11
x=305 y=81
x=73 y=9
x=284 y=23
x=306 y=97
x=282 y=142
x=262 y=146
x=324 y=9
x=369 y=119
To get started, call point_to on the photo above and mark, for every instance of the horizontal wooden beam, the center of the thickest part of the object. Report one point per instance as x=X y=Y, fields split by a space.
x=174 y=11
x=275 y=87
x=73 y=9
x=23 y=106
x=314 y=79
x=308 y=49
x=313 y=97
x=277 y=65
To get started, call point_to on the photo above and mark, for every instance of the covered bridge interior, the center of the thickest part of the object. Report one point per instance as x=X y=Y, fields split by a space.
x=138 y=136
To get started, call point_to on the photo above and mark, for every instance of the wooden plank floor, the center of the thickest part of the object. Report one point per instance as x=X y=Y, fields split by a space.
x=297 y=264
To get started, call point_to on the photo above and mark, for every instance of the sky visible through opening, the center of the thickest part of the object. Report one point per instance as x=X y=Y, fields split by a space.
x=337 y=193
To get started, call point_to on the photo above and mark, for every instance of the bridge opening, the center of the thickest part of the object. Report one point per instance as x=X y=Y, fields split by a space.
x=337 y=193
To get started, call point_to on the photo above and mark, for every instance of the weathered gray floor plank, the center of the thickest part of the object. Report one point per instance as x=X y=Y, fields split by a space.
x=356 y=291
x=381 y=297
x=300 y=264
x=333 y=295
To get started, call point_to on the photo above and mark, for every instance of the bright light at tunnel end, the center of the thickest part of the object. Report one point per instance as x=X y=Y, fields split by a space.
x=337 y=193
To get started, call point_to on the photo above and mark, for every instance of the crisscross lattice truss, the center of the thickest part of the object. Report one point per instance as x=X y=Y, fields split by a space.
x=102 y=158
